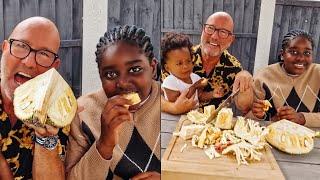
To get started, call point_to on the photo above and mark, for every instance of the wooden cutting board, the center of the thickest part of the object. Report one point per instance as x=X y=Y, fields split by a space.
x=193 y=163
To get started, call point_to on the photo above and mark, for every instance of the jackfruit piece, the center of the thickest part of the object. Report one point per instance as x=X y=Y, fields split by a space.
x=224 y=118
x=188 y=131
x=267 y=105
x=45 y=99
x=133 y=97
x=200 y=118
x=290 y=137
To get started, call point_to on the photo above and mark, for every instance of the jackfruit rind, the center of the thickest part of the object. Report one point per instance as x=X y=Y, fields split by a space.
x=45 y=97
x=290 y=137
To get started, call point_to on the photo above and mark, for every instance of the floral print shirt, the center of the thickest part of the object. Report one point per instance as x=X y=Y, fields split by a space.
x=17 y=144
x=220 y=79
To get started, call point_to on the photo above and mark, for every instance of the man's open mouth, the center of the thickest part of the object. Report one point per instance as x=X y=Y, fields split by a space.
x=21 y=78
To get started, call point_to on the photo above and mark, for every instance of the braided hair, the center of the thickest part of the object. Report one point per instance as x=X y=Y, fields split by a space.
x=172 y=41
x=129 y=34
x=293 y=34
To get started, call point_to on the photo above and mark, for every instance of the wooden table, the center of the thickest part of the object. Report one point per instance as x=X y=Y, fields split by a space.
x=292 y=166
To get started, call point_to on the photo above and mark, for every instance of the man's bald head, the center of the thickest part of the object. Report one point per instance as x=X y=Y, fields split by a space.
x=217 y=34
x=224 y=17
x=38 y=26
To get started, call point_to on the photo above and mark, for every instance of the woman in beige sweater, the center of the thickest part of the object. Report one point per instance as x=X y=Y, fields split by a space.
x=108 y=140
x=292 y=85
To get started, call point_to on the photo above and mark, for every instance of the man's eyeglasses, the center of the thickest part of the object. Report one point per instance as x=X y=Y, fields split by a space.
x=21 y=50
x=210 y=29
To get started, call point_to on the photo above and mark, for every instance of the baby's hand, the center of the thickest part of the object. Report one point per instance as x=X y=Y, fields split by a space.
x=201 y=83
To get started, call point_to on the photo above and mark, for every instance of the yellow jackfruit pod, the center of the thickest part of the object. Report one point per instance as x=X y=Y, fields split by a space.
x=45 y=99
x=267 y=105
x=224 y=118
x=133 y=97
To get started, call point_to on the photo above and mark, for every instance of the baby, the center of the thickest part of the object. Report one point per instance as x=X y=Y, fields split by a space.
x=176 y=59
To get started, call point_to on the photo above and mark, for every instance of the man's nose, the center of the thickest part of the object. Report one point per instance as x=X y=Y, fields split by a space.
x=30 y=60
x=215 y=34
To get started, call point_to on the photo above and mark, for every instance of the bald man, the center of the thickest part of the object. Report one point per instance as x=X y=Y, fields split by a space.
x=213 y=62
x=30 y=50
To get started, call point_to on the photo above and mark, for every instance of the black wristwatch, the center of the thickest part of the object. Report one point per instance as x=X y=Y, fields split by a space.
x=49 y=142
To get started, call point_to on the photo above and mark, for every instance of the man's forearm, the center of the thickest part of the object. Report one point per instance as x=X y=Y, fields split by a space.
x=5 y=172
x=47 y=164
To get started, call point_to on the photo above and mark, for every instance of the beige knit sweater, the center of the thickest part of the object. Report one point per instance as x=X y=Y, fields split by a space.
x=302 y=92
x=136 y=139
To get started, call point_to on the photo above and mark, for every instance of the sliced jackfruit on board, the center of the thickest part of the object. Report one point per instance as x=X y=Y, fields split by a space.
x=290 y=137
x=224 y=118
x=45 y=99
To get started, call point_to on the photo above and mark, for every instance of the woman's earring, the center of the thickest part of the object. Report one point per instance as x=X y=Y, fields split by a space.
x=281 y=58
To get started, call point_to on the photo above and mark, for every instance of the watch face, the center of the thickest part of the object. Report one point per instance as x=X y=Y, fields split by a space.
x=51 y=142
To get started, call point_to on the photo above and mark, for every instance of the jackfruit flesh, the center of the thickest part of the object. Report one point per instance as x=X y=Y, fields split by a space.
x=290 y=137
x=224 y=118
x=267 y=105
x=45 y=99
x=133 y=97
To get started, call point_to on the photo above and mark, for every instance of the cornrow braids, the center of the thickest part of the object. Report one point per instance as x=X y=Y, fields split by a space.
x=291 y=35
x=129 y=34
x=172 y=41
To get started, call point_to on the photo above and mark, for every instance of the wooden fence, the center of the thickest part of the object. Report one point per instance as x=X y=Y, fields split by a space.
x=142 y=13
x=293 y=14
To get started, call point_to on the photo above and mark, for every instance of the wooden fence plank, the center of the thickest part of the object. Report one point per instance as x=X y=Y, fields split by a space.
x=188 y=14
x=145 y=15
x=11 y=15
x=178 y=14
x=228 y=6
x=298 y=3
x=197 y=14
x=306 y=12
x=48 y=9
x=127 y=12
x=217 y=5
x=295 y=18
x=238 y=27
x=275 y=34
x=28 y=8
x=113 y=13
x=167 y=13
x=247 y=28
x=315 y=31
x=156 y=34
x=64 y=22
x=284 y=26
x=207 y=9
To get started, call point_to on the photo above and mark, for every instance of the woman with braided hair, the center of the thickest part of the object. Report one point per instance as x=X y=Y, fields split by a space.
x=292 y=85
x=111 y=138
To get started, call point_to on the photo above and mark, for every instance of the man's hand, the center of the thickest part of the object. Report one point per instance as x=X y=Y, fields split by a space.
x=257 y=108
x=180 y=106
x=147 y=176
x=45 y=131
x=114 y=114
x=288 y=113
x=243 y=81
